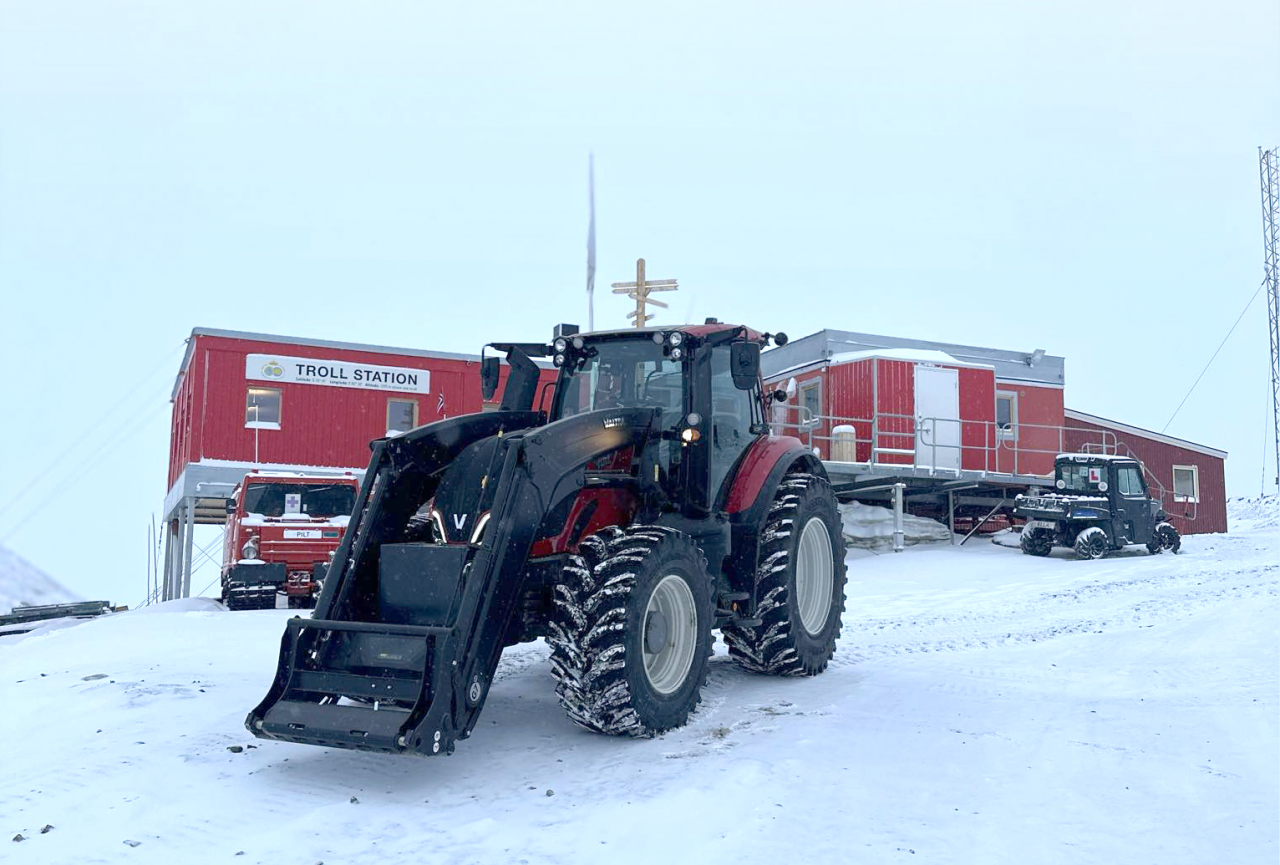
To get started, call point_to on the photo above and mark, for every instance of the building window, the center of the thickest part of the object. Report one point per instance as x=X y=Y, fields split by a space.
x=1007 y=415
x=811 y=399
x=1186 y=484
x=402 y=415
x=262 y=408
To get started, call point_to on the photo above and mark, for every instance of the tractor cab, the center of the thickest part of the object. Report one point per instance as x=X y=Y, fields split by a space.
x=1100 y=504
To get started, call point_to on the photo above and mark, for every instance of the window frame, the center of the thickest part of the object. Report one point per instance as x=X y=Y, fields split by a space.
x=414 y=420
x=1194 y=498
x=1010 y=434
x=263 y=424
x=801 y=387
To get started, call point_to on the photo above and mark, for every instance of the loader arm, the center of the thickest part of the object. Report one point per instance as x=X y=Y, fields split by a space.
x=422 y=646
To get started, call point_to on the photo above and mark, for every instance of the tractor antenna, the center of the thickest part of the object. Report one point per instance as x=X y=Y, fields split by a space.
x=639 y=292
x=591 y=242
x=1268 y=169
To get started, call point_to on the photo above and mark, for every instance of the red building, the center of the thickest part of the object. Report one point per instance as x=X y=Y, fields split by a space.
x=245 y=401
x=878 y=407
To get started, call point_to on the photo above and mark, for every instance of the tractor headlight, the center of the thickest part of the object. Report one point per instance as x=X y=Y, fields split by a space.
x=558 y=360
x=677 y=353
x=676 y=338
x=657 y=337
x=561 y=344
x=578 y=343
x=250 y=549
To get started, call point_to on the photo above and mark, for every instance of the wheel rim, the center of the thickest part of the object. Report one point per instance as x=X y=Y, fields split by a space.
x=814 y=576
x=671 y=605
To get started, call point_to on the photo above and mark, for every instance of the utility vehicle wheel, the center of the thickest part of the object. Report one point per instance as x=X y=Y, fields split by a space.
x=632 y=631
x=799 y=584
x=1168 y=537
x=1036 y=542
x=1091 y=543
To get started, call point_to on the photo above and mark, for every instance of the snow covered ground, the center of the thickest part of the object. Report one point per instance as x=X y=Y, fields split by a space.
x=984 y=706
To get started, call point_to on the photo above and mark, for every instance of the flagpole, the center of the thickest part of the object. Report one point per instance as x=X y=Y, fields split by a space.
x=591 y=242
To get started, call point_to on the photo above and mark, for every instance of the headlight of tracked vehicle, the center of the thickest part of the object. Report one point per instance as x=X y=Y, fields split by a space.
x=250 y=549
x=561 y=344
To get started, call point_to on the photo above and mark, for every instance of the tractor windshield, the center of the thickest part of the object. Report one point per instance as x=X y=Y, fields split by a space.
x=623 y=373
x=1080 y=478
x=315 y=500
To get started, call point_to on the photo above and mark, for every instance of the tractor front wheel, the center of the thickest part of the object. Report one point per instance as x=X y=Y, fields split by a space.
x=631 y=635
x=799 y=584
x=1168 y=538
x=1091 y=543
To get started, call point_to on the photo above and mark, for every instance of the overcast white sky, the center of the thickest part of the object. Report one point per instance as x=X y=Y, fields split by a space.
x=1077 y=177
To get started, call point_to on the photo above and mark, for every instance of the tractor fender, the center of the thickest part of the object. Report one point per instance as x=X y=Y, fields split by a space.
x=761 y=470
x=763 y=467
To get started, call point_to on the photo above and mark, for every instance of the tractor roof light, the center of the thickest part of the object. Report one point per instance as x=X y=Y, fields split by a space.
x=676 y=338
x=558 y=360
x=578 y=343
x=658 y=337
x=677 y=353
x=689 y=434
x=561 y=344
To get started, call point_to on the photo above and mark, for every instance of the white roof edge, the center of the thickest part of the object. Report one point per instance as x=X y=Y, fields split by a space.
x=909 y=355
x=1144 y=433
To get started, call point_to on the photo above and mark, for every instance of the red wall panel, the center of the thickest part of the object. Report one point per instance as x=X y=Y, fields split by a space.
x=319 y=425
x=1038 y=430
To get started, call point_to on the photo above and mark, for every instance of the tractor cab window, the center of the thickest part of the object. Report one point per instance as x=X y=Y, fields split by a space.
x=317 y=500
x=1129 y=481
x=733 y=412
x=1079 y=478
x=625 y=373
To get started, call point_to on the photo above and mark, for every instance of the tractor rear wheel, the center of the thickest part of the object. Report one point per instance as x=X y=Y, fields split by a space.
x=1036 y=542
x=1091 y=543
x=799 y=584
x=631 y=636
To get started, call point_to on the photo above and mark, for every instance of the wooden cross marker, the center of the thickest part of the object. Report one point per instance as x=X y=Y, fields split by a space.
x=639 y=290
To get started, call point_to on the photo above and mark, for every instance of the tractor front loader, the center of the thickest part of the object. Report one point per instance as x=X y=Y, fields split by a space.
x=648 y=506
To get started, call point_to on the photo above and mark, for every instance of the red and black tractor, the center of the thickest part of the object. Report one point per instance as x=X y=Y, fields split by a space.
x=648 y=506
x=281 y=530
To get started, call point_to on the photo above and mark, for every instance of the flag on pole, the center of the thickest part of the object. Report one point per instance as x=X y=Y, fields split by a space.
x=591 y=241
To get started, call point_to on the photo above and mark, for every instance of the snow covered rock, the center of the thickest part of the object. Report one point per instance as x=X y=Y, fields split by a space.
x=871 y=527
x=1245 y=513
x=22 y=583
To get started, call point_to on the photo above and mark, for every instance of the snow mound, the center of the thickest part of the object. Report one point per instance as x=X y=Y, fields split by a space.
x=871 y=527
x=1245 y=513
x=23 y=584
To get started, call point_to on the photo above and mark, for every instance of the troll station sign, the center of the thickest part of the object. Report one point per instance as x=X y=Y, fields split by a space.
x=335 y=373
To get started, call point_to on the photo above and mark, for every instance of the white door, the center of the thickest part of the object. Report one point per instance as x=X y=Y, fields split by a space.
x=937 y=417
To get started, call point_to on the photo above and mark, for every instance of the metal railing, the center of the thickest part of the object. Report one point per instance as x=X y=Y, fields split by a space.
x=900 y=441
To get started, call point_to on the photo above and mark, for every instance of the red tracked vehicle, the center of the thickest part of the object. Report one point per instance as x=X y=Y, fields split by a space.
x=282 y=530
x=647 y=507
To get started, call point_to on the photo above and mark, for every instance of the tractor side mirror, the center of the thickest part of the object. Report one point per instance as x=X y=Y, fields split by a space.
x=779 y=395
x=744 y=364
x=489 y=376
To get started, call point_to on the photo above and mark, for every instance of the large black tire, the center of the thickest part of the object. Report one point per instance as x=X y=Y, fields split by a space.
x=1091 y=543
x=603 y=626
x=781 y=644
x=1169 y=538
x=1036 y=542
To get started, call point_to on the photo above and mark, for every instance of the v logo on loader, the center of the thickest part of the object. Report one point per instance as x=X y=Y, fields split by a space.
x=459 y=520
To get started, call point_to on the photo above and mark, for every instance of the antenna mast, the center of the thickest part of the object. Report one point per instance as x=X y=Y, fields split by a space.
x=1269 y=176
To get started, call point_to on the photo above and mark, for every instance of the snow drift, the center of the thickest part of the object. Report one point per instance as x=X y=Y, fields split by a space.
x=871 y=527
